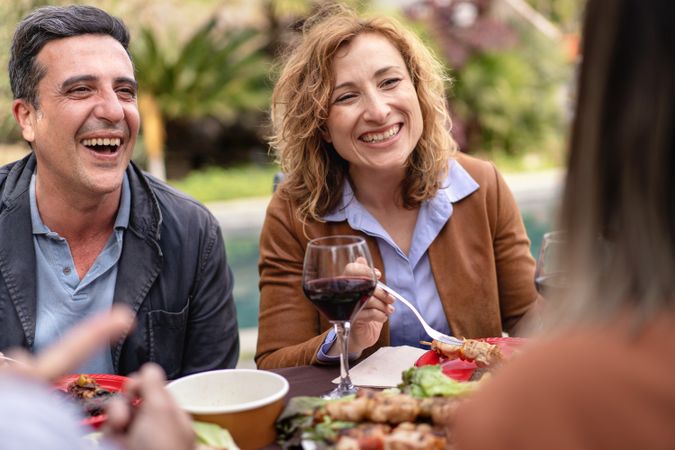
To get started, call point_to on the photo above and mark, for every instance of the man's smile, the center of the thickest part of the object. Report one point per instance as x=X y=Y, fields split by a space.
x=102 y=145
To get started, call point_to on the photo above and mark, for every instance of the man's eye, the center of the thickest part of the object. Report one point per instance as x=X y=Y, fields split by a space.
x=80 y=90
x=127 y=93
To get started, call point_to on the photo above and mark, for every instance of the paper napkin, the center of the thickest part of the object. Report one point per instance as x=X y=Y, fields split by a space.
x=383 y=368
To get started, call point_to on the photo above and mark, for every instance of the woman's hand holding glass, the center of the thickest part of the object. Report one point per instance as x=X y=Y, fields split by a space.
x=338 y=278
x=367 y=324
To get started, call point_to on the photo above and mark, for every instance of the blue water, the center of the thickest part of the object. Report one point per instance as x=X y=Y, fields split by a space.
x=242 y=254
x=242 y=250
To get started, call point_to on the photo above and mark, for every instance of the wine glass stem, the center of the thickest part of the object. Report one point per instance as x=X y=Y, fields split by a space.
x=342 y=332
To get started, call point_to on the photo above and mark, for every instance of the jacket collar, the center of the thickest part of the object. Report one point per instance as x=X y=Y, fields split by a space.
x=17 y=181
x=139 y=265
x=17 y=257
x=141 y=261
x=145 y=218
x=457 y=185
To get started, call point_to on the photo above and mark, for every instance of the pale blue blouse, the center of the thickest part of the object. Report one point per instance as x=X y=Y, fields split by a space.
x=410 y=275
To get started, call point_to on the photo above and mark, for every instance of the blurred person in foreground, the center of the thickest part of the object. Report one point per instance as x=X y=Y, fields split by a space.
x=362 y=134
x=603 y=378
x=31 y=416
x=84 y=228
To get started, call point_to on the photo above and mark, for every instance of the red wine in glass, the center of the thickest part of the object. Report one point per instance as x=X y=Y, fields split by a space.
x=338 y=278
x=339 y=298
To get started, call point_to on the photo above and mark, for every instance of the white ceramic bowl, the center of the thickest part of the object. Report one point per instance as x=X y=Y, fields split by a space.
x=246 y=402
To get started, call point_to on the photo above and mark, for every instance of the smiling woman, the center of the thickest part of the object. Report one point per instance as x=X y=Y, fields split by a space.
x=361 y=131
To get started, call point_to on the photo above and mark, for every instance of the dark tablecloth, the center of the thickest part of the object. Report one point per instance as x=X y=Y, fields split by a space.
x=307 y=380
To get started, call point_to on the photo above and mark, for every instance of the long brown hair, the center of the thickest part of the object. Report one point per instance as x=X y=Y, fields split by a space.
x=314 y=172
x=619 y=201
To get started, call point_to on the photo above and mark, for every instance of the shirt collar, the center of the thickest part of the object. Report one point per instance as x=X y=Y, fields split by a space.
x=457 y=185
x=121 y=221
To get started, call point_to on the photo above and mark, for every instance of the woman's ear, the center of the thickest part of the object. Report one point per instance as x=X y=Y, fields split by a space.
x=25 y=115
x=325 y=135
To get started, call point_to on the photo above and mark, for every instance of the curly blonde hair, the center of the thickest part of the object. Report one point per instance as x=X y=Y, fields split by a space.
x=314 y=172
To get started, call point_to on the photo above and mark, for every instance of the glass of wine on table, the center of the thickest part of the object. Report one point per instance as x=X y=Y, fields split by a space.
x=550 y=277
x=338 y=278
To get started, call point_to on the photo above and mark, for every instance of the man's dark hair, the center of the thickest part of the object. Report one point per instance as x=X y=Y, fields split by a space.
x=47 y=24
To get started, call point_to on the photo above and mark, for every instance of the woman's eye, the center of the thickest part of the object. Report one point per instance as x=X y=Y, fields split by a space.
x=344 y=98
x=390 y=82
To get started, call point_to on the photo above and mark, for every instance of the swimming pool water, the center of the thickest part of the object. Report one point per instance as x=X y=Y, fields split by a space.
x=242 y=252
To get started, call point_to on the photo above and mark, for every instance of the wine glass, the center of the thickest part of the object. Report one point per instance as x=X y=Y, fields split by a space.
x=550 y=275
x=338 y=278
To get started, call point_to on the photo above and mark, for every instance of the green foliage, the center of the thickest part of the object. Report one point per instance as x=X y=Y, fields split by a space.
x=288 y=8
x=216 y=72
x=303 y=8
x=11 y=12
x=513 y=102
x=564 y=13
x=217 y=183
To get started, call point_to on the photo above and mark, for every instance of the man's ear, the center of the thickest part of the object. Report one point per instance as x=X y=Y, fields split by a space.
x=25 y=115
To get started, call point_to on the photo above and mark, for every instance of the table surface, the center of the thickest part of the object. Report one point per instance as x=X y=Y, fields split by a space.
x=307 y=380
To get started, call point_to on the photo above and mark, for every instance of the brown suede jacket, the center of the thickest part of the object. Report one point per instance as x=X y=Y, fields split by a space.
x=481 y=262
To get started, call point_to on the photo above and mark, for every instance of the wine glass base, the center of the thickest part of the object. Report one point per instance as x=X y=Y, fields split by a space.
x=340 y=391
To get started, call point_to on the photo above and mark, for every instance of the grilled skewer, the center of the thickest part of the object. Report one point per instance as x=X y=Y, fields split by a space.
x=482 y=353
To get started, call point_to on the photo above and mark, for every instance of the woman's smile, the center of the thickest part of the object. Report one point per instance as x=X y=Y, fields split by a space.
x=378 y=137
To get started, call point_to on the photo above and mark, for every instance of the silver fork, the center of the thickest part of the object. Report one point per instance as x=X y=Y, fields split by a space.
x=11 y=360
x=435 y=334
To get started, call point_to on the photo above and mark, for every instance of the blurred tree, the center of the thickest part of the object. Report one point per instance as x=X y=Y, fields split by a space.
x=507 y=98
x=510 y=101
x=284 y=18
x=564 y=13
x=11 y=12
x=216 y=73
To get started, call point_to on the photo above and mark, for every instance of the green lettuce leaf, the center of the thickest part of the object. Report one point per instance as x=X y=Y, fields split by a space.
x=297 y=423
x=214 y=436
x=429 y=381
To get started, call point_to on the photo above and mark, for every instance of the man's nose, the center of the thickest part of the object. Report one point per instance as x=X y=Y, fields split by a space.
x=109 y=107
x=377 y=109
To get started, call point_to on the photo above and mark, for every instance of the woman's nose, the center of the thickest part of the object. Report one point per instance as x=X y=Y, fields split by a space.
x=377 y=109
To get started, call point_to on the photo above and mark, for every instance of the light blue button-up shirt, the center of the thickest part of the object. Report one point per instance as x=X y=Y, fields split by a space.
x=410 y=274
x=63 y=299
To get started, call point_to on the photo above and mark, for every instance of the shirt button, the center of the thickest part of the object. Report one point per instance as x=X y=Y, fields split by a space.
x=66 y=270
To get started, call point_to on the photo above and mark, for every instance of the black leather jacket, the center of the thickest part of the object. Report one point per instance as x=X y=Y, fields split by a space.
x=172 y=272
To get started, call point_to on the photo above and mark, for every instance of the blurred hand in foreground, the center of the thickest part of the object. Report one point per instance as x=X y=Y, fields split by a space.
x=157 y=423
x=77 y=345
